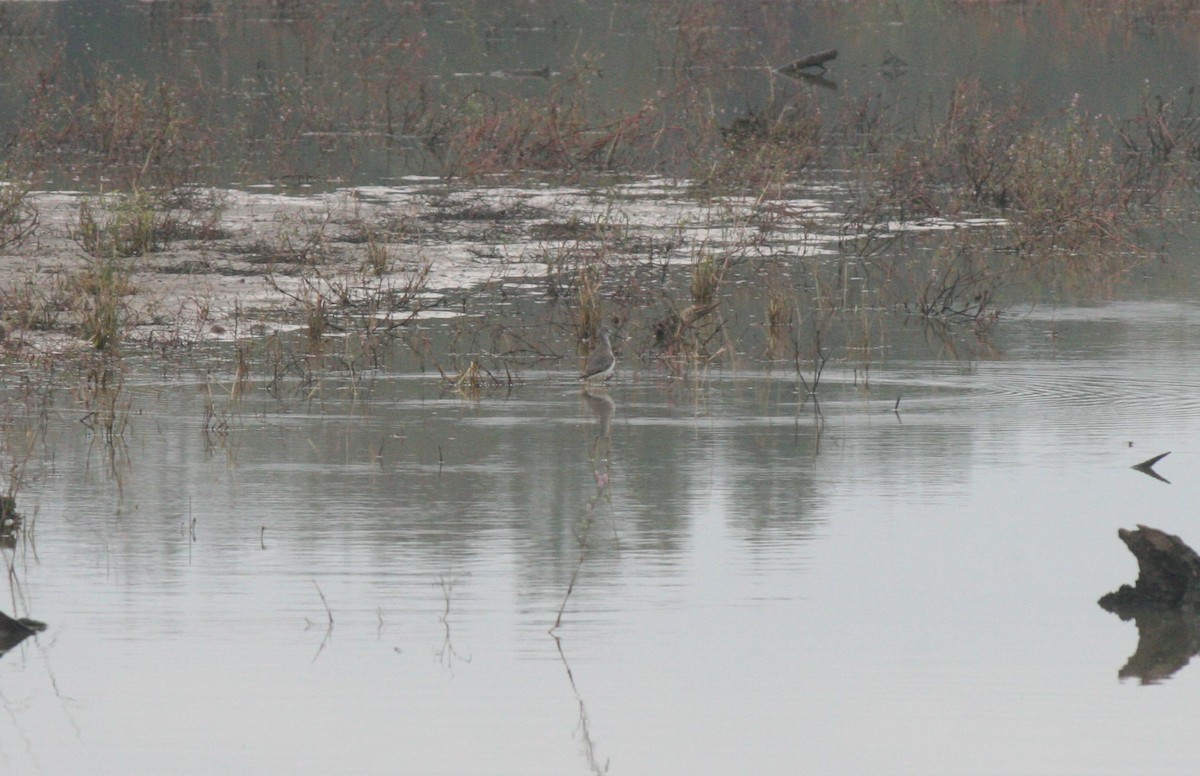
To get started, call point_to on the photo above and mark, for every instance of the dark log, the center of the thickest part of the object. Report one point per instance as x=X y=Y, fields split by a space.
x=1168 y=572
x=817 y=60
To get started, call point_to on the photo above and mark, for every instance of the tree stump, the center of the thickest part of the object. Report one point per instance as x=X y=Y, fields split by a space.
x=1164 y=603
x=13 y=632
x=1168 y=572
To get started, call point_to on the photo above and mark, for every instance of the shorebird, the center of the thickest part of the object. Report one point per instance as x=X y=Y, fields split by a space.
x=601 y=362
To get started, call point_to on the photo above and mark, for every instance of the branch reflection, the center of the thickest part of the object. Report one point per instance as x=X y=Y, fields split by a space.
x=585 y=733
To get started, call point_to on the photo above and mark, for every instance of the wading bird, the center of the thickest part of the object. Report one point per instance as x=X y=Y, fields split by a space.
x=601 y=362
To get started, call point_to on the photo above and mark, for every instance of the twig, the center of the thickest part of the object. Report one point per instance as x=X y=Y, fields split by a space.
x=570 y=587
x=1147 y=467
x=328 y=611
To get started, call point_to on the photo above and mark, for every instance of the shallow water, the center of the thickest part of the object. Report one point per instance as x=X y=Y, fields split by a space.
x=761 y=589
x=367 y=580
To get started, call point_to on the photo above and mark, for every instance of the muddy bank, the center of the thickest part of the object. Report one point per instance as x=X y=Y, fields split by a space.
x=222 y=264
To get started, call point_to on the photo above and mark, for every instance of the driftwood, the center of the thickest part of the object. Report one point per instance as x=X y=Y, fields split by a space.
x=816 y=60
x=1164 y=603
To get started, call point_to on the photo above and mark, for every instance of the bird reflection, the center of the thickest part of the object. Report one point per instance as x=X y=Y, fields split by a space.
x=603 y=406
x=600 y=403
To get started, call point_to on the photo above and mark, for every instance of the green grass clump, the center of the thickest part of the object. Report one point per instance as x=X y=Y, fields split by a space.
x=130 y=227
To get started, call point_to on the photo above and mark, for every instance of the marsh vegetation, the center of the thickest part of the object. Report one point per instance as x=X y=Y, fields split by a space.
x=392 y=230
x=839 y=214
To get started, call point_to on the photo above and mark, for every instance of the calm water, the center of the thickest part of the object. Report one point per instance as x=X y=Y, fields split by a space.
x=367 y=581
x=761 y=590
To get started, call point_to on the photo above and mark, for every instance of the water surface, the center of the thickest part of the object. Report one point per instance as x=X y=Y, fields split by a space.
x=759 y=587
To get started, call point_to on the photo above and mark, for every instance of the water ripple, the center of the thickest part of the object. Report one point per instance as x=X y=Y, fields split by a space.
x=1140 y=391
